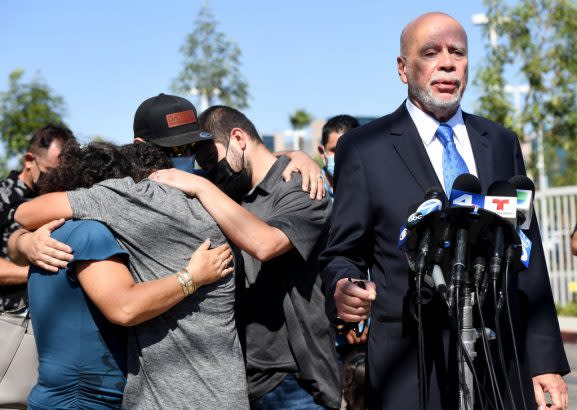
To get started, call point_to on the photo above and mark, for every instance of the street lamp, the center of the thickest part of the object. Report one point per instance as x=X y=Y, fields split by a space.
x=204 y=101
x=481 y=19
x=517 y=91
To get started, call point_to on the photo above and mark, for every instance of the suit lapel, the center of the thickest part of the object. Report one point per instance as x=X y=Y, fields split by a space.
x=480 y=145
x=410 y=148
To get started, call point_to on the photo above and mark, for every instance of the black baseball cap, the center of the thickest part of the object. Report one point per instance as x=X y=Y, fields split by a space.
x=168 y=121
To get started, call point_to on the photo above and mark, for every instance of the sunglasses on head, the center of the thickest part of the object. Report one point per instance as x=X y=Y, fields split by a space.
x=181 y=150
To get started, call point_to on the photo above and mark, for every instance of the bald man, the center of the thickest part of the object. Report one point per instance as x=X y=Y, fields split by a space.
x=370 y=206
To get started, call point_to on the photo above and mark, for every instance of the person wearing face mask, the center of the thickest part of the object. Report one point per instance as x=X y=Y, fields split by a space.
x=190 y=355
x=192 y=351
x=41 y=155
x=349 y=343
x=235 y=184
x=82 y=312
x=334 y=128
x=175 y=119
x=289 y=342
x=20 y=186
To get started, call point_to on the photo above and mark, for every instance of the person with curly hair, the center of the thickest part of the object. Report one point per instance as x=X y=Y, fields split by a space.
x=81 y=311
x=156 y=225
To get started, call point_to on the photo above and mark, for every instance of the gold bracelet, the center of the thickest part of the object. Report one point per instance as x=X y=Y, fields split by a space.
x=182 y=283
x=189 y=281
x=192 y=282
x=194 y=286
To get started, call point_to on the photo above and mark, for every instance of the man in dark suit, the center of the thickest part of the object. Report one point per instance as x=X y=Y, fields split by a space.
x=389 y=164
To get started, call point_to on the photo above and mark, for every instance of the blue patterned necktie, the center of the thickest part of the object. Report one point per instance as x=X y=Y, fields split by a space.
x=453 y=163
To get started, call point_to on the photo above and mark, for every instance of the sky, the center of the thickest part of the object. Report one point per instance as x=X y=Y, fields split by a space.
x=328 y=57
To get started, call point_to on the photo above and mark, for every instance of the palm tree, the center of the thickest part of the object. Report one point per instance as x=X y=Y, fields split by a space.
x=300 y=119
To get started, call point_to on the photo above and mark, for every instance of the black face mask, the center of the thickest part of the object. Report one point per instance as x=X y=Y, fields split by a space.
x=234 y=184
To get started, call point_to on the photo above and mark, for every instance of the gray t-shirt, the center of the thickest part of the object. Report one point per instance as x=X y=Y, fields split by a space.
x=189 y=357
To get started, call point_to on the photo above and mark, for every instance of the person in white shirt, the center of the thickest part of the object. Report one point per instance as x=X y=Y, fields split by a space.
x=389 y=164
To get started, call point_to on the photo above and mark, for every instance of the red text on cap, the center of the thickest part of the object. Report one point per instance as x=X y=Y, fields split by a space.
x=180 y=118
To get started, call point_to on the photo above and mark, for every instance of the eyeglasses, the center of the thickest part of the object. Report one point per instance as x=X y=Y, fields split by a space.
x=180 y=150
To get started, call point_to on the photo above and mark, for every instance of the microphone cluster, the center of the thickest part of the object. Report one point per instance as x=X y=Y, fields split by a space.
x=442 y=236
x=465 y=247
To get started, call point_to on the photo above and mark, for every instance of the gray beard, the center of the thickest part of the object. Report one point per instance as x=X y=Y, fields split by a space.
x=426 y=99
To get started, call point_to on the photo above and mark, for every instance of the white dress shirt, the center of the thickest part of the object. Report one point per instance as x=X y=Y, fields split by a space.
x=427 y=126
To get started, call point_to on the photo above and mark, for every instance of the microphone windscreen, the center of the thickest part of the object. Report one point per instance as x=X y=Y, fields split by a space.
x=522 y=182
x=468 y=183
x=436 y=192
x=525 y=195
x=502 y=188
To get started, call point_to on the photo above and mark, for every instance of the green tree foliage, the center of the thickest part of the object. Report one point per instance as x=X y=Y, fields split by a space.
x=212 y=64
x=300 y=119
x=535 y=43
x=25 y=107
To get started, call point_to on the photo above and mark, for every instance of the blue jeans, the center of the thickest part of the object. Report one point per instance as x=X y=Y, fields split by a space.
x=287 y=395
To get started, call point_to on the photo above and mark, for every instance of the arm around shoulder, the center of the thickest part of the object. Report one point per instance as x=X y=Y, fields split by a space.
x=244 y=229
x=43 y=209
x=39 y=248
x=109 y=284
x=259 y=239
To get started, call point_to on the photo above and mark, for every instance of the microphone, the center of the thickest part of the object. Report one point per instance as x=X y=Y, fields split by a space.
x=416 y=242
x=434 y=199
x=443 y=245
x=525 y=194
x=423 y=252
x=421 y=272
x=439 y=281
x=408 y=240
x=500 y=194
x=526 y=246
x=502 y=199
x=466 y=191
x=479 y=270
x=460 y=259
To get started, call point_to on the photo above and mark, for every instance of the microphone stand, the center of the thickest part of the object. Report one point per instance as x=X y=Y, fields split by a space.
x=466 y=332
x=420 y=270
x=468 y=338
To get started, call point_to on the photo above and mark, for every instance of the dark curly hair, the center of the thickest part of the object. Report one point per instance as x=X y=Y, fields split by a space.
x=84 y=166
x=144 y=159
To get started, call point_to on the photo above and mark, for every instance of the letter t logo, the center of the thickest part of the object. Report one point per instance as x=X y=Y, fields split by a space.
x=500 y=203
